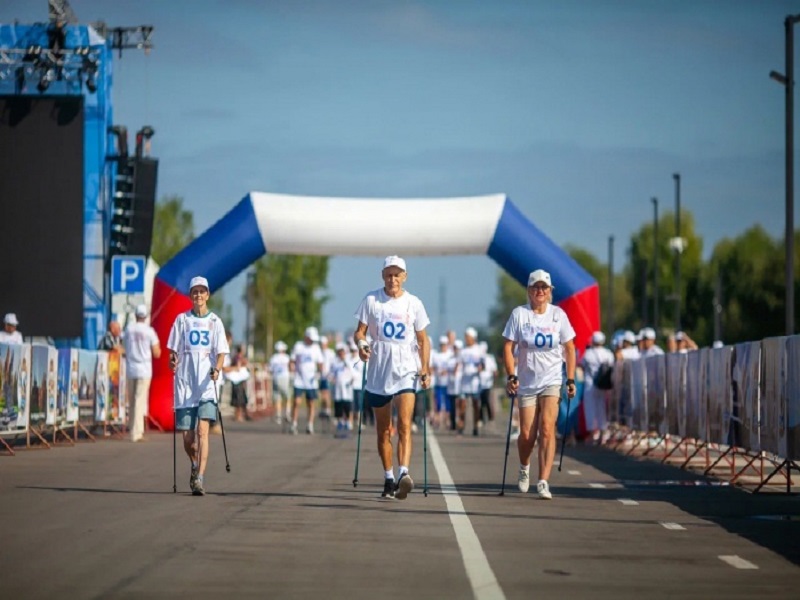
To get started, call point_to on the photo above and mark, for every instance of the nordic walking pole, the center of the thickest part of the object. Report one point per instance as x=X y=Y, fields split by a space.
x=361 y=419
x=222 y=427
x=174 y=451
x=508 y=443
x=425 y=444
x=564 y=435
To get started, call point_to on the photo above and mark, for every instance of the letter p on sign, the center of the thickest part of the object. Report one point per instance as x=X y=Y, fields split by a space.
x=127 y=274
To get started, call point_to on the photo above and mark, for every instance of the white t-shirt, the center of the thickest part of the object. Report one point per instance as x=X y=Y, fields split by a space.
x=328 y=356
x=307 y=360
x=592 y=359
x=392 y=324
x=198 y=341
x=279 y=367
x=469 y=365
x=342 y=375
x=10 y=338
x=453 y=380
x=651 y=351
x=139 y=339
x=630 y=353
x=439 y=366
x=489 y=371
x=539 y=338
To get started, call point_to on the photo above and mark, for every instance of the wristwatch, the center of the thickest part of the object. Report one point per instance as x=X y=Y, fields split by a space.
x=570 y=382
x=513 y=379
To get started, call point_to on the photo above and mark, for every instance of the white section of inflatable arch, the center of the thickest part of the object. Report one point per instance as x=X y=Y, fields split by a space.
x=348 y=226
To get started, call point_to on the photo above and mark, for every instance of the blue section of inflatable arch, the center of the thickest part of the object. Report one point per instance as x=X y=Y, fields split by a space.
x=227 y=248
x=520 y=247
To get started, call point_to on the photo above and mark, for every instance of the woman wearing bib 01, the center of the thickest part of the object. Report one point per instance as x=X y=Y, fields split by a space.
x=538 y=330
x=197 y=348
x=395 y=320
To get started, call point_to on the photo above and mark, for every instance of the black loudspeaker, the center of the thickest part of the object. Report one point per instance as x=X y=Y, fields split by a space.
x=134 y=207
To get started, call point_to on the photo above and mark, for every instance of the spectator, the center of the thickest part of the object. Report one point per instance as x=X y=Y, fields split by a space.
x=649 y=347
x=628 y=350
x=684 y=343
x=237 y=373
x=141 y=347
x=9 y=334
x=596 y=359
x=281 y=382
x=112 y=340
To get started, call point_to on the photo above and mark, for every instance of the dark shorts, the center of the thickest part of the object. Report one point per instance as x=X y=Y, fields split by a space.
x=324 y=384
x=379 y=401
x=309 y=394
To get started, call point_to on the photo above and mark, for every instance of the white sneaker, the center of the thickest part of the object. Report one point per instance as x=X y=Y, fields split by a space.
x=293 y=429
x=544 y=490
x=514 y=435
x=310 y=428
x=524 y=480
x=414 y=428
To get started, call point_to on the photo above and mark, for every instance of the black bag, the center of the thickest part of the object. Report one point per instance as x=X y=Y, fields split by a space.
x=603 y=379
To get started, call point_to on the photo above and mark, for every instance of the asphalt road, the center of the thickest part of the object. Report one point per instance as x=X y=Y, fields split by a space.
x=100 y=520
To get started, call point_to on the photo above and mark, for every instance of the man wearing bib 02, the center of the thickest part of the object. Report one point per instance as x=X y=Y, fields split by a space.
x=197 y=348
x=399 y=353
x=543 y=337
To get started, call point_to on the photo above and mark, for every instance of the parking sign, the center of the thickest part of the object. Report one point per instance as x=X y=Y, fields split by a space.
x=127 y=274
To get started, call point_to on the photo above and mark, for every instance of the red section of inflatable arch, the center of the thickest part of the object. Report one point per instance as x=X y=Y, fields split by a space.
x=170 y=303
x=583 y=310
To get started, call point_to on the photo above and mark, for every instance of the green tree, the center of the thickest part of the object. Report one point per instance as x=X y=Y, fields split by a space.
x=639 y=273
x=173 y=228
x=287 y=295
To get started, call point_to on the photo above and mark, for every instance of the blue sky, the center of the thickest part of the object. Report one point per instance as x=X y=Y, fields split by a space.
x=579 y=110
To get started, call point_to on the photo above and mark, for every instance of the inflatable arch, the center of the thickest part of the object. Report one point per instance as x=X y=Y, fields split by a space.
x=284 y=224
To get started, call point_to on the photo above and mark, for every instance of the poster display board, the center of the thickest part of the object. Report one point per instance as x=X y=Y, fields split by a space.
x=15 y=377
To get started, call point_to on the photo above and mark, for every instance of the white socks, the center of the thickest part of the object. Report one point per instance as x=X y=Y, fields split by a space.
x=403 y=469
x=389 y=474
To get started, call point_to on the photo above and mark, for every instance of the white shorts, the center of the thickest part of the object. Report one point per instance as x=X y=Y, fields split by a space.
x=533 y=399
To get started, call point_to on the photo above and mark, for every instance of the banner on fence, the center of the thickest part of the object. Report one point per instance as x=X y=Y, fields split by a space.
x=675 y=379
x=117 y=384
x=747 y=393
x=773 y=399
x=638 y=395
x=655 y=394
x=87 y=368
x=15 y=362
x=720 y=398
x=40 y=356
x=67 y=400
x=793 y=398
x=101 y=388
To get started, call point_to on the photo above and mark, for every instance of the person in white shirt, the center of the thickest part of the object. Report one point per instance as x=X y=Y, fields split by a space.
x=544 y=337
x=596 y=358
x=398 y=354
x=649 y=347
x=197 y=346
x=470 y=363
x=141 y=347
x=454 y=386
x=441 y=377
x=9 y=334
x=328 y=356
x=488 y=373
x=281 y=380
x=307 y=362
x=358 y=391
x=628 y=350
x=341 y=378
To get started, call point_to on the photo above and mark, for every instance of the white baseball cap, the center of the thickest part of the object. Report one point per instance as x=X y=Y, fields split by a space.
x=312 y=334
x=539 y=275
x=11 y=319
x=648 y=333
x=394 y=261
x=629 y=337
x=443 y=340
x=199 y=281
x=323 y=339
x=458 y=344
x=341 y=346
x=280 y=346
x=470 y=331
x=598 y=337
x=141 y=311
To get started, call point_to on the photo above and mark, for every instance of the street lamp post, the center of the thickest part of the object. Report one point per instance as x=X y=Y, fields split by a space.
x=610 y=321
x=655 y=262
x=787 y=79
x=677 y=178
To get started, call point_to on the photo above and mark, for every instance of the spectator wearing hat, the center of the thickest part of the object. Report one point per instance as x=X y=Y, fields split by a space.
x=439 y=360
x=358 y=366
x=141 y=347
x=649 y=346
x=454 y=385
x=544 y=338
x=237 y=373
x=596 y=360
x=488 y=373
x=9 y=334
x=281 y=381
x=628 y=350
x=683 y=343
x=328 y=356
x=306 y=364
x=112 y=340
x=397 y=357
x=470 y=363
x=341 y=378
x=197 y=345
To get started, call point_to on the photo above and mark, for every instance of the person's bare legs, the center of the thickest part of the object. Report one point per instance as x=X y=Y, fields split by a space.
x=383 y=428
x=405 y=415
x=547 y=435
x=527 y=434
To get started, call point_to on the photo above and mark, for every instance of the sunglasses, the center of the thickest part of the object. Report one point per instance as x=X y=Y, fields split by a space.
x=540 y=288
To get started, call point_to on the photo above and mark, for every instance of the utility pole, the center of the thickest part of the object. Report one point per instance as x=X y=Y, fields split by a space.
x=678 y=250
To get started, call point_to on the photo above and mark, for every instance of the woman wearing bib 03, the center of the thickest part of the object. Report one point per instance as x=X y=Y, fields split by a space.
x=197 y=348
x=539 y=330
x=396 y=322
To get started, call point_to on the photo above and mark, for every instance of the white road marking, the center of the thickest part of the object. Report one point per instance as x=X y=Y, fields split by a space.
x=737 y=561
x=574 y=472
x=597 y=486
x=672 y=526
x=628 y=502
x=481 y=577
